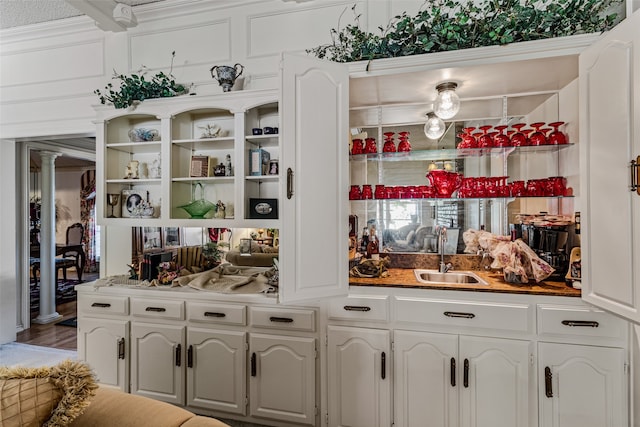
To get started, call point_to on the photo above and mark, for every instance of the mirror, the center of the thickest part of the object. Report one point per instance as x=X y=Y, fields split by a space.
x=407 y=224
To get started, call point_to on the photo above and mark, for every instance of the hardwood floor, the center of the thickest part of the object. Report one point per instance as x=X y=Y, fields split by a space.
x=52 y=335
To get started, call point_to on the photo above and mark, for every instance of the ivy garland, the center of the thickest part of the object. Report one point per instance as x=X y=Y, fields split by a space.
x=443 y=25
x=135 y=88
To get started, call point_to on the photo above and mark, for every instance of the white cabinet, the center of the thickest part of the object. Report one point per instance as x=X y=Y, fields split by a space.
x=461 y=380
x=157 y=361
x=314 y=159
x=103 y=337
x=359 y=377
x=426 y=372
x=581 y=386
x=496 y=375
x=160 y=182
x=242 y=358
x=103 y=344
x=610 y=140
x=283 y=378
x=216 y=369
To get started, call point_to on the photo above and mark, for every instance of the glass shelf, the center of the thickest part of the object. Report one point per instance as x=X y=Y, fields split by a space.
x=460 y=199
x=417 y=155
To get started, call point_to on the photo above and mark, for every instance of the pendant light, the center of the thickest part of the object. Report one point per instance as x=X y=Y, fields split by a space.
x=447 y=103
x=434 y=128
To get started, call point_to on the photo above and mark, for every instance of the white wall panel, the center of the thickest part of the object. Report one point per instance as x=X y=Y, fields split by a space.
x=272 y=33
x=194 y=44
x=53 y=63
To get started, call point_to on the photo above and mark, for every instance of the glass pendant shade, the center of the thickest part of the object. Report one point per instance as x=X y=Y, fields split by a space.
x=447 y=103
x=434 y=128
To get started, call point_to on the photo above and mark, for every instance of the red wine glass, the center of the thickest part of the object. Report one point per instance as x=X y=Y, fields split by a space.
x=500 y=139
x=370 y=146
x=389 y=146
x=518 y=139
x=557 y=137
x=404 y=145
x=537 y=137
x=485 y=141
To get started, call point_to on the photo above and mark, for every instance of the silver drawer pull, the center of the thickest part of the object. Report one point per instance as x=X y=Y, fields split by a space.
x=459 y=314
x=101 y=304
x=156 y=309
x=214 y=314
x=588 y=323
x=357 y=308
x=281 y=319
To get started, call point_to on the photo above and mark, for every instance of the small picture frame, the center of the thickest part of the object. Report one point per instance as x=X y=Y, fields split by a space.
x=263 y=208
x=151 y=238
x=130 y=200
x=245 y=247
x=172 y=237
x=199 y=167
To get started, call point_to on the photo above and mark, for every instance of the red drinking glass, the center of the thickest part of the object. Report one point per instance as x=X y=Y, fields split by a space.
x=518 y=139
x=537 y=137
x=404 y=145
x=355 y=193
x=370 y=147
x=485 y=141
x=367 y=192
x=389 y=146
x=468 y=140
x=357 y=147
x=500 y=139
x=557 y=137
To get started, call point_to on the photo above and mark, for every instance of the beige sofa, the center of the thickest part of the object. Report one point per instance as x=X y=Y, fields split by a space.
x=66 y=394
x=110 y=407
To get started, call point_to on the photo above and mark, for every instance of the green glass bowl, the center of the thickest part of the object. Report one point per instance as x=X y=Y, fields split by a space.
x=198 y=208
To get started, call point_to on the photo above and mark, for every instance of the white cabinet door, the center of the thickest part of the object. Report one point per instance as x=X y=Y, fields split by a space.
x=581 y=386
x=609 y=140
x=157 y=361
x=102 y=343
x=315 y=98
x=496 y=375
x=426 y=379
x=359 y=377
x=283 y=378
x=216 y=370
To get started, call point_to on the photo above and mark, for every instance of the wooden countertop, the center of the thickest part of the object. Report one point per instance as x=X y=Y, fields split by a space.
x=405 y=278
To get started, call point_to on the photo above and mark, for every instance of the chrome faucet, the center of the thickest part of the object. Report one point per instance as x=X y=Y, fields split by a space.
x=442 y=238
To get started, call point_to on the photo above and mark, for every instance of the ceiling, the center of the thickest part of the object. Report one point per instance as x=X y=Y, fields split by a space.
x=16 y=13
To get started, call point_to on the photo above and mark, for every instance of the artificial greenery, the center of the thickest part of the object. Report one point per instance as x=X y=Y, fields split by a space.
x=443 y=25
x=135 y=88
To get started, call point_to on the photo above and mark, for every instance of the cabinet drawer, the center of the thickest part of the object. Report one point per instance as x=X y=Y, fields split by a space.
x=580 y=321
x=159 y=309
x=102 y=304
x=365 y=308
x=227 y=314
x=281 y=318
x=500 y=316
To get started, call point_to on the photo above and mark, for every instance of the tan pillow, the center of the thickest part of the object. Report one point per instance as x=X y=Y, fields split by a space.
x=48 y=396
x=27 y=402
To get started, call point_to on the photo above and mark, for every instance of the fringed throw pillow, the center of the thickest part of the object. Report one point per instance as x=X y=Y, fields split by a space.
x=47 y=396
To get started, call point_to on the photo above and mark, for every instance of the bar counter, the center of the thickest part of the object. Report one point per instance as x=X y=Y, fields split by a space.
x=405 y=278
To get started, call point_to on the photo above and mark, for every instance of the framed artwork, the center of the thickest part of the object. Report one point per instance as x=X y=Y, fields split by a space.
x=172 y=237
x=131 y=199
x=151 y=238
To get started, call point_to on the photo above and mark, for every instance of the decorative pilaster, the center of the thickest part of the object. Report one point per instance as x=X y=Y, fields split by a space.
x=48 y=313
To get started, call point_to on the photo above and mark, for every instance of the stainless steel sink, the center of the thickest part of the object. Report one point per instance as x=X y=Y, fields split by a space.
x=434 y=276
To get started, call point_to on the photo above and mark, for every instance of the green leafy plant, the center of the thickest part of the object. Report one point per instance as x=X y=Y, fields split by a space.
x=443 y=25
x=136 y=88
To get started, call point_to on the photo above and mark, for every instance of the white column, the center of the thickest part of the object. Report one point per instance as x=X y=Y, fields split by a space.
x=48 y=277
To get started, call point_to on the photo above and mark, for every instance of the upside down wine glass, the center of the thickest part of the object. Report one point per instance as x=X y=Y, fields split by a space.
x=557 y=137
